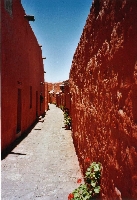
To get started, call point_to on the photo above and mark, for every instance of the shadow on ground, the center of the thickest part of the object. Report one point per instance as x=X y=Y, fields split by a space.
x=9 y=149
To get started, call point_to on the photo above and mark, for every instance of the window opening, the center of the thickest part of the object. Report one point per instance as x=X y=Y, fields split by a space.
x=8 y=6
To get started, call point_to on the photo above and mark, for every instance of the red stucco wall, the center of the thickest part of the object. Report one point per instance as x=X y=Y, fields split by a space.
x=22 y=68
x=103 y=85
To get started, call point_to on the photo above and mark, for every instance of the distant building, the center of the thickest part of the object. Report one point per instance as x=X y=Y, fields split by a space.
x=22 y=73
x=64 y=97
x=59 y=94
x=53 y=88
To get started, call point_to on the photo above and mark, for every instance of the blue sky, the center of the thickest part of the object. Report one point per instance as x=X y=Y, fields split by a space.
x=58 y=27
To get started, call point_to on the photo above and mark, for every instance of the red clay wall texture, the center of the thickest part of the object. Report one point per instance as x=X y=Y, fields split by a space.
x=103 y=86
x=22 y=76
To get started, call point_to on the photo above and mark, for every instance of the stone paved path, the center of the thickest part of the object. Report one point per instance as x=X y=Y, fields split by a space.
x=44 y=165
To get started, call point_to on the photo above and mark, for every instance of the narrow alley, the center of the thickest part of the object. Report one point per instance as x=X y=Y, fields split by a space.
x=44 y=165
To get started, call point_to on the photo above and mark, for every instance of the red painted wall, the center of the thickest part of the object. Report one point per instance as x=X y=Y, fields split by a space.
x=22 y=68
x=103 y=86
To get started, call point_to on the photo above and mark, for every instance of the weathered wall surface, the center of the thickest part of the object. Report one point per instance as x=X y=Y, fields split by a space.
x=22 y=73
x=103 y=85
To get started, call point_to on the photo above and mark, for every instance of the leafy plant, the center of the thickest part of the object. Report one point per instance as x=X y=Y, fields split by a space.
x=65 y=115
x=92 y=177
x=82 y=193
x=67 y=118
x=91 y=188
x=67 y=121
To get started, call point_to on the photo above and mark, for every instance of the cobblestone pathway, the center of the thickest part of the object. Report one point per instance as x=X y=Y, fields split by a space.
x=44 y=165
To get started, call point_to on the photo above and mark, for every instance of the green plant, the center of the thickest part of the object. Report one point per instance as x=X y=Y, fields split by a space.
x=67 y=118
x=65 y=115
x=92 y=177
x=67 y=121
x=91 y=188
x=82 y=193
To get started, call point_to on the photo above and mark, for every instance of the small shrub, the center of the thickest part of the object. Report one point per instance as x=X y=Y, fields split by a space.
x=67 y=121
x=65 y=115
x=91 y=188
x=67 y=118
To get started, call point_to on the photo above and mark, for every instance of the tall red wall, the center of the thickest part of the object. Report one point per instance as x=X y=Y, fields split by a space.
x=103 y=86
x=22 y=67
